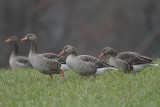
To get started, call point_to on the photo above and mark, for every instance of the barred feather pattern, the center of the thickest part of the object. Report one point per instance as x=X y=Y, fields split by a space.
x=98 y=63
x=84 y=65
x=61 y=59
x=134 y=58
x=131 y=58
x=44 y=65
x=47 y=63
x=102 y=64
x=88 y=58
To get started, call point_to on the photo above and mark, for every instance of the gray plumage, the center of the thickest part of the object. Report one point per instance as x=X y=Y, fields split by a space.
x=16 y=61
x=61 y=59
x=134 y=58
x=43 y=64
x=47 y=63
x=83 y=65
x=127 y=61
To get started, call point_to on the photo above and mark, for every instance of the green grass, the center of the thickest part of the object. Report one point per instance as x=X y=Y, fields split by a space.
x=28 y=87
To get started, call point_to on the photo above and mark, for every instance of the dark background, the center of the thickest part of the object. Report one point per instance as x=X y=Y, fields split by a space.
x=88 y=25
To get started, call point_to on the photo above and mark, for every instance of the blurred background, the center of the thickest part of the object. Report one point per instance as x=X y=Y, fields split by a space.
x=88 y=25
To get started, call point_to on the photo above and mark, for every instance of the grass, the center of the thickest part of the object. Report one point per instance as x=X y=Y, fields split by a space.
x=27 y=87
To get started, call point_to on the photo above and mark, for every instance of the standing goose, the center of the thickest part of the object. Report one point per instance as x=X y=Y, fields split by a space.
x=127 y=61
x=47 y=63
x=84 y=65
x=16 y=61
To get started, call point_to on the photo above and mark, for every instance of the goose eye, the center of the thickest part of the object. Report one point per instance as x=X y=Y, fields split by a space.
x=29 y=35
x=65 y=48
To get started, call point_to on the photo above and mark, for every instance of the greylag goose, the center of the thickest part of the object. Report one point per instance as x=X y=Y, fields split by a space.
x=127 y=61
x=84 y=65
x=47 y=63
x=16 y=61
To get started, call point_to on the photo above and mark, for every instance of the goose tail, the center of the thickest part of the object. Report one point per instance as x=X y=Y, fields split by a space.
x=153 y=64
x=102 y=70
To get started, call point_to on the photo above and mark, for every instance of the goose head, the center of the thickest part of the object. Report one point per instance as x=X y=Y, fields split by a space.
x=69 y=50
x=108 y=52
x=11 y=39
x=30 y=37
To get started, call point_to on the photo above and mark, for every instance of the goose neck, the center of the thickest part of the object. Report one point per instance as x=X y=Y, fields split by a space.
x=74 y=52
x=113 y=60
x=34 y=46
x=15 y=50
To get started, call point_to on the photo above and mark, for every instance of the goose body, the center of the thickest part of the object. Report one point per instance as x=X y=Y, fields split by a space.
x=16 y=61
x=44 y=65
x=81 y=67
x=61 y=59
x=127 y=61
x=47 y=63
x=84 y=65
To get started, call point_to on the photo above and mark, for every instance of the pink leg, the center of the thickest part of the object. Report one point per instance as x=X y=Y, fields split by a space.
x=62 y=70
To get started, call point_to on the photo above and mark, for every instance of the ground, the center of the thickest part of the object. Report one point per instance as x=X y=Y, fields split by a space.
x=27 y=87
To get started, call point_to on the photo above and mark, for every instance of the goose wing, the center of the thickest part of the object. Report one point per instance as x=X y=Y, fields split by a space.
x=88 y=58
x=61 y=59
x=133 y=58
x=23 y=61
x=140 y=60
x=51 y=64
x=102 y=64
x=98 y=63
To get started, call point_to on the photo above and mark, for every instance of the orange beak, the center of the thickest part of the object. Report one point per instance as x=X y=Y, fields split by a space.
x=24 y=39
x=62 y=52
x=101 y=55
x=8 y=40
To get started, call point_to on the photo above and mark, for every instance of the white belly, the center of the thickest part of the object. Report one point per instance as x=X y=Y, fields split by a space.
x=100 y=71
x=137 y=68
x=64 y=66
